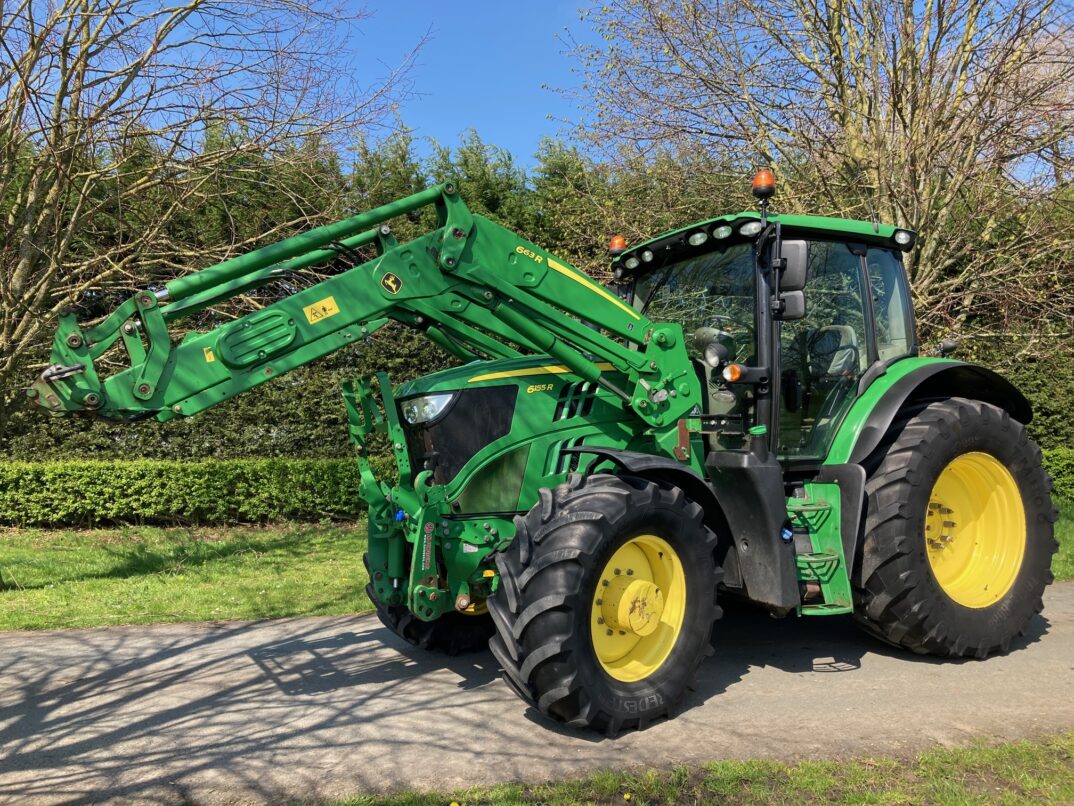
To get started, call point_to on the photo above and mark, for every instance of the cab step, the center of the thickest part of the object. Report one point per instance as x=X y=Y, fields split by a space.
x=817 y=566
x=814 y=519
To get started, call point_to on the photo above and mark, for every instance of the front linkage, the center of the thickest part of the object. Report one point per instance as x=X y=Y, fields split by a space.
x=450 y=566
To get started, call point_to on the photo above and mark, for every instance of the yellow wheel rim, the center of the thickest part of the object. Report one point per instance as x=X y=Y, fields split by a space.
x=975 y=530
x=638 y=608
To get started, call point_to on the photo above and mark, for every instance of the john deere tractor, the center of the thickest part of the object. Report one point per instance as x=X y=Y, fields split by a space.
x=743 y=411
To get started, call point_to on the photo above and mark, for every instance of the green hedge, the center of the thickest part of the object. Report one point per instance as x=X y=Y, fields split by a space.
x=88 y=493
x=301 y=414
x=1060 y=464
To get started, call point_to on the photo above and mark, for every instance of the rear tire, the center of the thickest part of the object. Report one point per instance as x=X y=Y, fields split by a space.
x=452 y=633
x=958 y=532
x=606 y=602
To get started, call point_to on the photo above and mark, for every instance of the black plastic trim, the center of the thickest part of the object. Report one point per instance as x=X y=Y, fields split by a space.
x=876 y=369
x=748 y=505
x=750 y=491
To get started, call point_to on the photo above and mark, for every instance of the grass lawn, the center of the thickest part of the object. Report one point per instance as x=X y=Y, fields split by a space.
x=89 y=578
x=1020 y=772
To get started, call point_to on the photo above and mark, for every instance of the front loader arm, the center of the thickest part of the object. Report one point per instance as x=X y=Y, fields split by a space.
x=471 y=285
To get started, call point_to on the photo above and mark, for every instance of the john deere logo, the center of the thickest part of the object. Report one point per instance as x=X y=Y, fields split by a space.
x=391 y=282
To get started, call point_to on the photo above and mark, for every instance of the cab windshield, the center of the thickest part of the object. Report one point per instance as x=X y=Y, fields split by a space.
x=711 y=290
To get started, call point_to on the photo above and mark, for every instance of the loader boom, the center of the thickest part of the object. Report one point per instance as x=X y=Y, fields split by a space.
x=474 y=287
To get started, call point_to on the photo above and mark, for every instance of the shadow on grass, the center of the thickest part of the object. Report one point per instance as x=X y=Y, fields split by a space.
x=142 y=559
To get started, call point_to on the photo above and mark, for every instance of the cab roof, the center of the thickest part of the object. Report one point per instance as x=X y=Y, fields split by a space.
x=871 y=233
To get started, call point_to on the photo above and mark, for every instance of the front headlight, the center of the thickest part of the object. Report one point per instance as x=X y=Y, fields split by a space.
x=427 y=407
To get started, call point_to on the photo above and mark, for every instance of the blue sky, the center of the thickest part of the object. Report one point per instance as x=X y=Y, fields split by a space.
x=482 y=68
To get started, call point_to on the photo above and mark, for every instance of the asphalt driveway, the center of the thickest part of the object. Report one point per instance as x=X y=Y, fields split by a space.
x=326 y=707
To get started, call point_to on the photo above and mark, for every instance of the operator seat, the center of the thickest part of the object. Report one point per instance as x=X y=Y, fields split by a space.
x=833 y=357
x=833 y=352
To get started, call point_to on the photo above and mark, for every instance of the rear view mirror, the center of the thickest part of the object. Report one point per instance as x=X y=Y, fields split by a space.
x=796 y=257
x=791 y=306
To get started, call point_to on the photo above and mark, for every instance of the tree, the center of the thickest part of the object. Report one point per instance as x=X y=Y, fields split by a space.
x=126 y=124
x=583 y=201
x=954 y=118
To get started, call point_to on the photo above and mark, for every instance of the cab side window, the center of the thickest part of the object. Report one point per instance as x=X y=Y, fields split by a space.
x=825 y=353
x=891 y=305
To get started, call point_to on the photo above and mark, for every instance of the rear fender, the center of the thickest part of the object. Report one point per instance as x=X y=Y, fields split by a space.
x=906 y=383
x=912 y=381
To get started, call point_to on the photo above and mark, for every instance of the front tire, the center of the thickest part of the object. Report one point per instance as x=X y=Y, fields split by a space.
x=606 y=602
x=958 y=533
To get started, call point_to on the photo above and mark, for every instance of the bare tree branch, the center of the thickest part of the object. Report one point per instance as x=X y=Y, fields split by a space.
x=108 y=104
x=951 y=117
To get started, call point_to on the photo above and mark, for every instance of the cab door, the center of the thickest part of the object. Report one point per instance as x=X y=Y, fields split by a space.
x=858 y=313
x=824 y=355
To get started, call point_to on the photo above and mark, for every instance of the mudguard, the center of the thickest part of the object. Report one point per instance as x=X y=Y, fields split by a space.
x=905 y=383
x=918 y=380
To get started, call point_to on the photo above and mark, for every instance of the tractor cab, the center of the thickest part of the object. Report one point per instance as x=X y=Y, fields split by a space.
x=787 y=319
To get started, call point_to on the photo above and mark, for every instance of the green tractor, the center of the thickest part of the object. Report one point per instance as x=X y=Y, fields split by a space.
x=743 y=412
